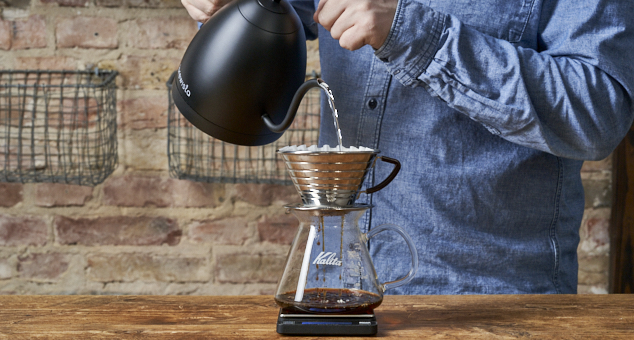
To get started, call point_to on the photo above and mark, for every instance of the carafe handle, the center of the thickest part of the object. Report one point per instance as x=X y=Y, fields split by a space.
x=412 y=249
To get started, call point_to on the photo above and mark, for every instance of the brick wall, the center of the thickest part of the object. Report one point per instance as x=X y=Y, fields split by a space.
x=594 y=246
x=142 y=232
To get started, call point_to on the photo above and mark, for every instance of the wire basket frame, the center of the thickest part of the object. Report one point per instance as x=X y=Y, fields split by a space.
x=57 y=126
x=195 y=156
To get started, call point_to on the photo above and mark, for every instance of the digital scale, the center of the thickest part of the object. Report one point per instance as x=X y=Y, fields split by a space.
x=292 y=322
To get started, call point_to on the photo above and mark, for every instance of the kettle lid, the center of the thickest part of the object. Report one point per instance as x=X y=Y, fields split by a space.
x=273 y=16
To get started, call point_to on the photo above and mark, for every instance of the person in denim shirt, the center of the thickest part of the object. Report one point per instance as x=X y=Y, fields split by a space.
x=491 y=106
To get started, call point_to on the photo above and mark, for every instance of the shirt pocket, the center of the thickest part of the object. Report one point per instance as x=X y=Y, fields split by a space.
x=503 y=19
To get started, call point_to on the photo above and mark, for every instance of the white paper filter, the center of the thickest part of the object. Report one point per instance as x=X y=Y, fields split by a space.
x=293 y=148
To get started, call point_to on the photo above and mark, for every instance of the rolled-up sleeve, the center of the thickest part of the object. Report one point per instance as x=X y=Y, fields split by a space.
x=571 y=96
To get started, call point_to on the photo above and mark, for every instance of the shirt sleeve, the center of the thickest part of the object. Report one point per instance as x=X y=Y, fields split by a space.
x=571 y=97
x=305 y=10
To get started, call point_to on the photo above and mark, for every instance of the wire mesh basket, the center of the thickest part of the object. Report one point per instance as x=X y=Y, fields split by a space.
x=57 y=126
x=195 y=156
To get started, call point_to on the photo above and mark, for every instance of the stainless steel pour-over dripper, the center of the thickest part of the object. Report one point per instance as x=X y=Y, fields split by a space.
x=333 y=178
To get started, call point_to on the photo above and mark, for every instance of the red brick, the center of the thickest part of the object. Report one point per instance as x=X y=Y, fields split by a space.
x=47 y=266
x=45 y=63
x=22 y=231
x=30 y=33
x=144 y=113
x=10 y=194
x=278 y=229
x=234 y=230
x=128 y=267
x=86 y=32
x=249 y=268
x=598 y=230
x=62 y=195
x=141 y=191
x=117 y=230
x=141 y=72
x=161 y=33
x=595 y=231
x=196 y=194
x=137 y=191
x=5 y=34
x=68 y=3
x=266 y=194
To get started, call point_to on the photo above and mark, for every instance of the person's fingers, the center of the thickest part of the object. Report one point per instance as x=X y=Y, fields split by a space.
x=329 y=13
x=352 y=39
x=196 y=13
x=357 y=22
x=342 y=23
x=319 y=7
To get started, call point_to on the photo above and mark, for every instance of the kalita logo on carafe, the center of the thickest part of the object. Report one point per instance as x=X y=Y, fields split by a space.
x=328 y=258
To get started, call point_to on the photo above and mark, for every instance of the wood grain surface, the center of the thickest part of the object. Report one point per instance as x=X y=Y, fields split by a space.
x=254 y=317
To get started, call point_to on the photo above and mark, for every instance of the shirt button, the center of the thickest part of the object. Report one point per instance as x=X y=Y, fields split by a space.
x=372 y=103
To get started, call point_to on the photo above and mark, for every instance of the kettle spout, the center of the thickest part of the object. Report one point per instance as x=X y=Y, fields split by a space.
x=292 y=110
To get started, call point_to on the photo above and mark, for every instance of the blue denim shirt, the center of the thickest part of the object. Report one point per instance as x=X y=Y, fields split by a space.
x=491 y=106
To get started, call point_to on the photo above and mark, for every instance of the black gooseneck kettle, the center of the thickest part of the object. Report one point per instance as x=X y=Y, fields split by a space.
x=242 y=76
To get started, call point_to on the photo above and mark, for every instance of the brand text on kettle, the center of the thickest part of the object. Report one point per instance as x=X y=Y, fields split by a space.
x=328 y=258
x=183 y=85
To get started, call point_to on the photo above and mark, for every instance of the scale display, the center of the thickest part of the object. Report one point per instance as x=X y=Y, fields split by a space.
x=292 y=322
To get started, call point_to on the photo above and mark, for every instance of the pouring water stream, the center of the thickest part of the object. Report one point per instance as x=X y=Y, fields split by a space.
x=335 y=113
x=306 y=262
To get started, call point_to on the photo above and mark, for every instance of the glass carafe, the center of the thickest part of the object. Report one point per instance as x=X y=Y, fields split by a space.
x=328 y=268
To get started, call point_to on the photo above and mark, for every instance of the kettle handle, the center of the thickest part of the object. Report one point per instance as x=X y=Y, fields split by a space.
x=412 y=249
x=292 y=110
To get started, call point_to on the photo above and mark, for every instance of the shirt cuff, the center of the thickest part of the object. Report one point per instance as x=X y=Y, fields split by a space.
x=412 y=42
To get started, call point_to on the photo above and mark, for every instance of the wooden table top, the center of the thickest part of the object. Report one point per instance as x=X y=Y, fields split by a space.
x=254 y=317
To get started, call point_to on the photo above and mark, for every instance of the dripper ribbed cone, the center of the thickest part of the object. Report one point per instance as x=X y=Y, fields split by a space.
x=328 y=178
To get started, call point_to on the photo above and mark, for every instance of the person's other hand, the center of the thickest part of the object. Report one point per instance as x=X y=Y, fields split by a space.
x=356 y=23
x=202 y=10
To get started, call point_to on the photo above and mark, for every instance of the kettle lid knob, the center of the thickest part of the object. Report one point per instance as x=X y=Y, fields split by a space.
x=275 y=16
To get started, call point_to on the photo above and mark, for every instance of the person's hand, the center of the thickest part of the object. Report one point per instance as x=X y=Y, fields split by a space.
x=356 y=23
x=202 y=10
